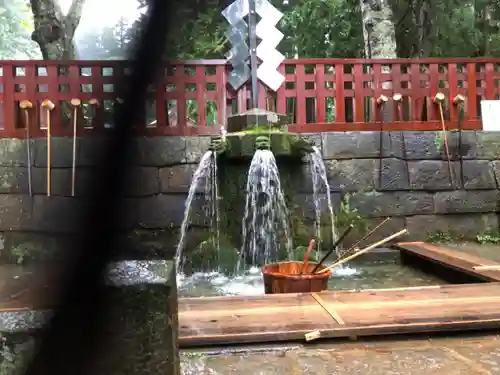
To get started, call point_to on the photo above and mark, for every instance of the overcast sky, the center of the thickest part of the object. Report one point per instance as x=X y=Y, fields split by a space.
x=100 y=13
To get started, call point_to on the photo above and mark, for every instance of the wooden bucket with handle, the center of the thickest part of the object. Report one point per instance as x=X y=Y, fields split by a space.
x=294 y=276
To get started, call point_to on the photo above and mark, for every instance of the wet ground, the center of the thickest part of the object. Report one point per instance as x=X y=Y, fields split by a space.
x=473 y=355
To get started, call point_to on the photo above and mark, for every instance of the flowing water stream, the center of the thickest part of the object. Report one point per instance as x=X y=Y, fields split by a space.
x=265 y=223
x=205 y=173
x=320 y=183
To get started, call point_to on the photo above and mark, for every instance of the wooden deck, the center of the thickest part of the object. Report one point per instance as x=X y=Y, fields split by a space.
x=484 y=269
x=231 y=320
x=289 y=317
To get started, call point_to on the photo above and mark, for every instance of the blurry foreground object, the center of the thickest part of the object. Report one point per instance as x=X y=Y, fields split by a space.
x=112 y=317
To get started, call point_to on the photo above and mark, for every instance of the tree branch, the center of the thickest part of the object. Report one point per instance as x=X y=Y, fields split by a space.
x=73 y=17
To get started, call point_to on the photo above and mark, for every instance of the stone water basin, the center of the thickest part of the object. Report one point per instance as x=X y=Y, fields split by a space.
x=380 y=269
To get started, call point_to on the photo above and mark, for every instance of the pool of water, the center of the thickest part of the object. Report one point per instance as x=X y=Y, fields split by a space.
x=382 y=270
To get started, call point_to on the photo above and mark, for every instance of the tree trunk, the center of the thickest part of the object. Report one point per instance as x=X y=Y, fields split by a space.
x=378 y=29
x=54 y=31
x=424 y=25
x=380 y=40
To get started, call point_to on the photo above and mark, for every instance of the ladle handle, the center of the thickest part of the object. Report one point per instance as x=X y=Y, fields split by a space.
x=312 y=243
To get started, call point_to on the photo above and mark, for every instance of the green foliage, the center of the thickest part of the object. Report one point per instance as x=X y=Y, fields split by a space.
x=14 y=356
x=349 y=215
x=15 y=31
x=22 y=252
x=489 y=237
x=333 y=29
x=440 y=237
x=439 y=139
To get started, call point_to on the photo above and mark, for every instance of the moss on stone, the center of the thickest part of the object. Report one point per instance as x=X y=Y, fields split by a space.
x=243 y=144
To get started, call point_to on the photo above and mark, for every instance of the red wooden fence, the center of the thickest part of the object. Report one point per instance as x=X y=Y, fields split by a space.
x=192 y=97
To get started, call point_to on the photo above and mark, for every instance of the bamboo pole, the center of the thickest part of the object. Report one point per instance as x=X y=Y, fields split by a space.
x=26 y=105
x=438 y=99
x=365 y=250
x=48 y=106
x=76 y=104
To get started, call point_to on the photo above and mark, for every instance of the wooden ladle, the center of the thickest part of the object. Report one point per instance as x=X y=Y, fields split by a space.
x=312 y=243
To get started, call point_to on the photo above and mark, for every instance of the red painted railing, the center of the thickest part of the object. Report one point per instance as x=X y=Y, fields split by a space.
x=192 y=97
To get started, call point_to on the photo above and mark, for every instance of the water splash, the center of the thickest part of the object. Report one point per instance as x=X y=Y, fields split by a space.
x=319 y=180
x=266 y=215
x=207 y=173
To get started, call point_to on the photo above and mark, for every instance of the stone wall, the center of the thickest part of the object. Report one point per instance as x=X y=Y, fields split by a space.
x=412 y=181
x=414 y=188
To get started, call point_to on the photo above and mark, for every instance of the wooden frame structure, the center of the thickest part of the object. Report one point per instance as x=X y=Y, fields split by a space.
x=193 y=98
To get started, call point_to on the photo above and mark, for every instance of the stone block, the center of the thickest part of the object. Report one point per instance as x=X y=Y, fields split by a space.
x=488 y=145
x=154 y=244
x=351 y=175
x=13 y=152
x=392 y=176
x=306 y=208
x=61 y=152
x=58 y=215
x=141 y=325
x=393 y=145
x=16 y=212
x=177 y=178
x=139 y=181
x=461 y=201
x=351 y=145
x=142 y=181
x=433 y=175
x=478 y=174
x=496 y=171
x=91 y=151
x=164 y=211
x=300 y=180
x=196 y=147
x=426 y=145
x=60 y=181
x=14 y=180
x=158 y=151
x=30 y=247
x=316 y=138
x=421 y=227
x=378 y=204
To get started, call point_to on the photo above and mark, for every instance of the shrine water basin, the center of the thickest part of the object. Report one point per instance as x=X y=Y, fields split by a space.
x=381 y=269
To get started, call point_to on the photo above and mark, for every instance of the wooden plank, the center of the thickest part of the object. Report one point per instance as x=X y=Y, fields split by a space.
x=214 y=321
x=453 y=259
x=331 y=311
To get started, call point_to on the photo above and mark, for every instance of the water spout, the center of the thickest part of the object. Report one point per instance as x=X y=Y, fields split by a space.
x=206 y=172
x=319 y=180
x=266 y=214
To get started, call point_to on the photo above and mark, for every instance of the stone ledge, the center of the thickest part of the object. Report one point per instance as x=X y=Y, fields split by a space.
x=433 y=175
x=421 y=227
x=351 y=175
x=423 y=145
x=378 y=204
x=141 y=325
x=361 y=145
x=460 y=201
x=13 y=152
